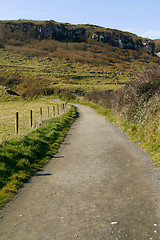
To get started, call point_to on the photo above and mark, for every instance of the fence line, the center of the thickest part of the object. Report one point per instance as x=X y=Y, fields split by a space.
x=52 y=112
x=41 y=117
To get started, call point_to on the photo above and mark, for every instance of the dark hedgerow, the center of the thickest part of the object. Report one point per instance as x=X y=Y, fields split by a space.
x=137 y=94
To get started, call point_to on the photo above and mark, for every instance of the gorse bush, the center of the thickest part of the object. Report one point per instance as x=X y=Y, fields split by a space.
x=102 y=98
x=138 y=95
x=138 y=104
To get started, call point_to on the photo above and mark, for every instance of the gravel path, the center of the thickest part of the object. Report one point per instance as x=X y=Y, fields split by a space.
x=99 y=186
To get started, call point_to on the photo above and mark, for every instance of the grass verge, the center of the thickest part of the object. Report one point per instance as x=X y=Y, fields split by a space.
x=21 y=157
x=146 y=135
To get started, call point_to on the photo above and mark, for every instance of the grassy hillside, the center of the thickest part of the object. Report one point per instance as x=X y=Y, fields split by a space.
x=109 y=69
x=88 y=58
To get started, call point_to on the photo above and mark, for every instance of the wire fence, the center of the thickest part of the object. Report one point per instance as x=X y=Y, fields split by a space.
x=17 y=123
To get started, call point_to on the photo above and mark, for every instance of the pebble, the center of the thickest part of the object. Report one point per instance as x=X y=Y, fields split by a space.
x=114 y=223
x=155 y=225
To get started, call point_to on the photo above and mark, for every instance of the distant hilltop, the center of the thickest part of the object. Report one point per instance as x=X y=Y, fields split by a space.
x=24 y=30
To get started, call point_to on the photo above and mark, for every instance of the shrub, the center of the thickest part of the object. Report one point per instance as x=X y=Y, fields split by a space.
x=102 y=98
x=136 y=94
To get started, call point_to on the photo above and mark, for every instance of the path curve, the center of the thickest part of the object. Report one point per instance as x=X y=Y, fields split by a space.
x=99 y=186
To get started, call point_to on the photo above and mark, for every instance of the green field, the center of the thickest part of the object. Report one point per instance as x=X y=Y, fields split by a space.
x=10 y=104
x=61 y=73
x=26 y=73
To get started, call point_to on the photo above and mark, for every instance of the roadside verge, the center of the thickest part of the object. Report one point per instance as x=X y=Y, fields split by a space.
x=21 y=157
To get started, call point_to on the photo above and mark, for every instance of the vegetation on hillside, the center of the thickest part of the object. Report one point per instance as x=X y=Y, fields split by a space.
x=35 y=67
x=106 y=68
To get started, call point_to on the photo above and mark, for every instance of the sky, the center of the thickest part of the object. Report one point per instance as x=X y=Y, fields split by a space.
x=140 y=17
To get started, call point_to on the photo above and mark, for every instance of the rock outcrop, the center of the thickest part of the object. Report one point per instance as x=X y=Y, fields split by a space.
x=72 y=33
x=123 y=41
x=150 y=47
x=61 y=33
x=50 y=30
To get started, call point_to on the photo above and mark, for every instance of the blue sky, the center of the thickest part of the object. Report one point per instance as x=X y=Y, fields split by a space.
x=140 y=17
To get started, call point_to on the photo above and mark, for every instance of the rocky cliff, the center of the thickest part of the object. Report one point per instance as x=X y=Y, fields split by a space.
x=123 y=41
x=75 y=33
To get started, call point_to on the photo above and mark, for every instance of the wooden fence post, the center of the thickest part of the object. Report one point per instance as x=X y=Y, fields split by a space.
x=16 y=124
x=41 y=114
x=31 y=119
x=48 y=112
x=53 y=111
x=57 y=109
x=63 y=105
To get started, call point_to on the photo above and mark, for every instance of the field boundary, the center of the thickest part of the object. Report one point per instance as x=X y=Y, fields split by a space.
x=21 y=157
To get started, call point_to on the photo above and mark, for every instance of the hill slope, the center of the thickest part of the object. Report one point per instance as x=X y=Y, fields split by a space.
x=27 y=30
x=77 y=58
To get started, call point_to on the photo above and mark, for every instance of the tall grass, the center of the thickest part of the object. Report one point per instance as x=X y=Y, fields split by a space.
x=101 y=98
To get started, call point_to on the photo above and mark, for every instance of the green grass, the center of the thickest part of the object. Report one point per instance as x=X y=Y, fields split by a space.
x=146 y=135
x=21 y=157
x=10 y=104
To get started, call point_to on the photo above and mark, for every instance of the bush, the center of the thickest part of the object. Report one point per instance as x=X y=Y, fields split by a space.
x=102 y=98
x=136 y=94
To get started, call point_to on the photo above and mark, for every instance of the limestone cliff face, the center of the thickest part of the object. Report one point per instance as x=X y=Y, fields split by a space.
x=51 y=30
x=83 y=33
x=123 y=41
x=61 y=33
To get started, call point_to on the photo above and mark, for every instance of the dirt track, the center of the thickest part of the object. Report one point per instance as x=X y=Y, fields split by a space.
x=99 y=186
